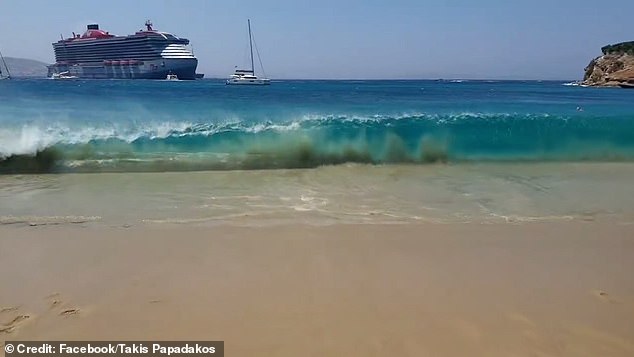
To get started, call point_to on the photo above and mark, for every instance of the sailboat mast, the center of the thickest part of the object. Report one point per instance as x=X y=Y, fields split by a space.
x=251 y=46
x=5 y=66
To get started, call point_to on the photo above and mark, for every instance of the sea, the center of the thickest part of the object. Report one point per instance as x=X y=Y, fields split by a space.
x=319 y=152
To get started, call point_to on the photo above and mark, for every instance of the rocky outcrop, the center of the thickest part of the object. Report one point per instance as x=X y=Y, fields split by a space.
x=614 y=68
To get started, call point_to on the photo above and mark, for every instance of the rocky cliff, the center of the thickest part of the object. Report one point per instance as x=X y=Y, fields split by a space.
x=614 y=67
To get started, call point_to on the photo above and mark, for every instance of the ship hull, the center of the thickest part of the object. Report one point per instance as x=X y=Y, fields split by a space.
x=248 y=82
x=184 y=68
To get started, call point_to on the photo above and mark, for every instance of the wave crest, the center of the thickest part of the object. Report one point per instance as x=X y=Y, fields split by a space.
x=315 y=140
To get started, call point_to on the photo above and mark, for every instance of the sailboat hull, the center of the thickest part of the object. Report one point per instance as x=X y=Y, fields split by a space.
x=248 y=82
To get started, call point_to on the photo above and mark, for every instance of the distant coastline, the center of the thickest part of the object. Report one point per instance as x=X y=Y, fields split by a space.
x=23 y=67
x=29 y=68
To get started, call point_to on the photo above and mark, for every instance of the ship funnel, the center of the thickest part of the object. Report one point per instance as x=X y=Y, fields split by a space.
x=93 y=27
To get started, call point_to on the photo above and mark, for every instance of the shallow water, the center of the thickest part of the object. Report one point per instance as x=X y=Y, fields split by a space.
x=351 y=193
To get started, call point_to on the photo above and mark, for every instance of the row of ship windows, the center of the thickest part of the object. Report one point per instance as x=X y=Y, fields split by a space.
x=107 y=53
x=121 y=41
x=108 y=56
x=118 y=44
x=105 y=49
x=121 y=56
x=63 y=52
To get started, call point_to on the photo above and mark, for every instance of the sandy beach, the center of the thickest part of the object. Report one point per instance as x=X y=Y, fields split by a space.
x=506 y=289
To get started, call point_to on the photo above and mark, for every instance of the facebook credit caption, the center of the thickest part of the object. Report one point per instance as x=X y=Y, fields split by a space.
x=114 y=348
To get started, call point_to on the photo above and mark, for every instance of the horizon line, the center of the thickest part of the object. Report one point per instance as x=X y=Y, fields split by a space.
x=414 y=79
x=365 y=79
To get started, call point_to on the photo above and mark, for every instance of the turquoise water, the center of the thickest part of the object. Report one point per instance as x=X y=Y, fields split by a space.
x=101 y=126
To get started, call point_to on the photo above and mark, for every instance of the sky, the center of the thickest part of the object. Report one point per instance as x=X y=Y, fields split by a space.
x=347 y=39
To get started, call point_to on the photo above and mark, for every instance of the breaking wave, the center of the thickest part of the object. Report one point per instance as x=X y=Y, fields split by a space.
x=314 y=141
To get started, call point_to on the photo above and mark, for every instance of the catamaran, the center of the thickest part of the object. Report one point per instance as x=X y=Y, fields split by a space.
x=2 y=75
x=247 y=76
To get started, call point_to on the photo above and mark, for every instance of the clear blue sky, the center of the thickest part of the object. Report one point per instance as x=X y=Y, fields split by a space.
x=538 y=39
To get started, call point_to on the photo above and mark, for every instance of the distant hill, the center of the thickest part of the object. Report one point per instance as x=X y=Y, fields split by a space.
x=22 y=67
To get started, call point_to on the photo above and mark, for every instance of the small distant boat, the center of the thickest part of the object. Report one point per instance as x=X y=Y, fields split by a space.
x=200 y=75
x=247 y=76
x=171 y=77
x=2 y=75
x=63 y=75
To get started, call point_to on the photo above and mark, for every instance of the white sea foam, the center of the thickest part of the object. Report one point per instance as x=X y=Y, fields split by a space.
x=30 y=138
x=26 y=140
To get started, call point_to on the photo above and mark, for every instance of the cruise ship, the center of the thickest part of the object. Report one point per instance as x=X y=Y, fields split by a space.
x=148 y=54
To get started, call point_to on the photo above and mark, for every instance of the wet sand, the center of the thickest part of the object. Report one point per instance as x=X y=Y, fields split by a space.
x=560 y=288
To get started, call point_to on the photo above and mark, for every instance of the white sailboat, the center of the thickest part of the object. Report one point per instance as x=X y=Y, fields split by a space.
x=2 y=75
x=247 y=76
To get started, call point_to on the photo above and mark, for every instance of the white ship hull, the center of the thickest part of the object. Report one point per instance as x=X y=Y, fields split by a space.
x=249 y=82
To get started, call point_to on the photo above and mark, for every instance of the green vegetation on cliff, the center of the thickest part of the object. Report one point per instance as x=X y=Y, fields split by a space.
x=623 y=47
